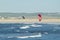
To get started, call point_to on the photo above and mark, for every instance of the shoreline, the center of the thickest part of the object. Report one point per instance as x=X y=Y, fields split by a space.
x=29 y=20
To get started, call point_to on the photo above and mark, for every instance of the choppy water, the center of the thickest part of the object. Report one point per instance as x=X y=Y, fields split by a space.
x=26 y=31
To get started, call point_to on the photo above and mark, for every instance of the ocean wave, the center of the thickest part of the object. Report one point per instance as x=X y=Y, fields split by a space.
x=29 y=26
x=24 y=27
x=23 y=37
x=34 y=25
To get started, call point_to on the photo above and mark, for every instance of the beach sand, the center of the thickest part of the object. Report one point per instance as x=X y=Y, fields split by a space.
x=49 y=20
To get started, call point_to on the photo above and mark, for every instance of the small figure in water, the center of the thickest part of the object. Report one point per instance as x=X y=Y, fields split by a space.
x=23 y=17
x=39 y=17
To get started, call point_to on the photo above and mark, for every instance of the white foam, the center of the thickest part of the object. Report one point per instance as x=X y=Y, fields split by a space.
x=36 y=25
x=32 y=36
x=25 y=27
x=36 y=36
x=22 y=37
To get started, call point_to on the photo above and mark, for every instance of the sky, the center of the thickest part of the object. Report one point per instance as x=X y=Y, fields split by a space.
x=29 y=6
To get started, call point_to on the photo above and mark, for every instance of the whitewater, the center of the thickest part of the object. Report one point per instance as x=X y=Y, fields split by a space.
x=29 y=31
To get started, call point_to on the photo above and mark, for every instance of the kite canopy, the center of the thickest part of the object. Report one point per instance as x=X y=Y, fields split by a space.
x=39 y=17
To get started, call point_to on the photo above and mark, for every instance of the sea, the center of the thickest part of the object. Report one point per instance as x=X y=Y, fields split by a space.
x=29 y=31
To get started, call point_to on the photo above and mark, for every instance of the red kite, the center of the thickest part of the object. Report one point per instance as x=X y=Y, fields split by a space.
x=39 y=17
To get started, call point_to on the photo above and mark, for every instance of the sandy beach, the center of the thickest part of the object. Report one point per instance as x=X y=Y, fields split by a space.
x=51 y=20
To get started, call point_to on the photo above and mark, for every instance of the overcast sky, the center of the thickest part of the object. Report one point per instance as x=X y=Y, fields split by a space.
x=29 y=6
